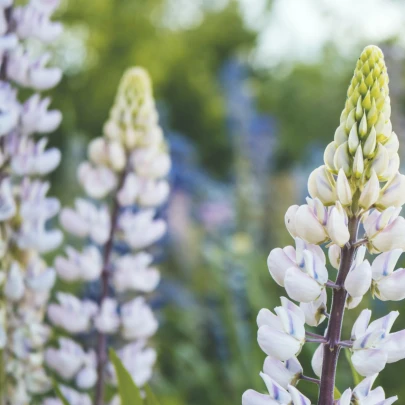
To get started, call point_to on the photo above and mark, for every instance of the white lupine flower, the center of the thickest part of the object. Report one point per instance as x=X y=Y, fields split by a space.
x=322 y=185
x=87 y=220
x=393 y=193
x=306 y=284
x=153 y=193
x=277 y=395
x=133 y=272
x=37 y=118
x=72 y=314
x=387 y=283
x=282 y=335
x=309 y=221
x=283 y=373
x=32 y=73
x=107 y=320
x=30 y=158
x=385 y=230
x=137 y=320
x=141 y=229
x=39 y=277
x=280 y=260
x=151 y=163
x=67 y=360
x=32 y=22
x=104 y=153
x=138 y=360
x=364 y=395
x=97 y=181
x=373 y=344
x=86 y=266
x=10 y=108
x=315 y=310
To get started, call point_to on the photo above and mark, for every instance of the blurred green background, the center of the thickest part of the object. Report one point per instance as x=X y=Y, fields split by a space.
x=249 y=93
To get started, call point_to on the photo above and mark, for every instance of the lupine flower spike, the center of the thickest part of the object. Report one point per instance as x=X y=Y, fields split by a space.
x=354 y=203
x=25 y=279
x=124 y=180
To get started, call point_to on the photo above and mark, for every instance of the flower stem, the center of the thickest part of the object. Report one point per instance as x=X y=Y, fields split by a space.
x=101 y=348
x=332 y=348
x=310 y=379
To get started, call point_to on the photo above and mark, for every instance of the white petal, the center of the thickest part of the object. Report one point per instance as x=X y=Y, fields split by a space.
x=361 y=324
x=392 y=237
x=358 y=280
x=370 y=361
x=337 y=226
x=384 y=264
x=275 y=390
x=308 y=227
x=251 y=397
x=290 y=220
x=277 y=344
x=297 y=397
x=278 y=263
x=317 y=360
x=392 y=287
x=300 y=286
x=292 y=324
x=266 y=317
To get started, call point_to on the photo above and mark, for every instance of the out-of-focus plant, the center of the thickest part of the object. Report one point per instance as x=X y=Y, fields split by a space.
x=124 y=182
x=346 y=193
x=25 y=279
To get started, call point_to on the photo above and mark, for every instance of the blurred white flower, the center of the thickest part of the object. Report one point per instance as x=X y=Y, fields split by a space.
x=97 y=181
x=137 y=319
x=72 y=314
x=107 y=320
x=133 y=272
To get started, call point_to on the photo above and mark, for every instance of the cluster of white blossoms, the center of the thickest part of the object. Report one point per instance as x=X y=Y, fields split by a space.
x=25 y=279
x=124 y=180
x=358 y=190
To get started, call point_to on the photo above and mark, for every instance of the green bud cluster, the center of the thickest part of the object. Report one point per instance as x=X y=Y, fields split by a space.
x=364 y=141
x=133 y=118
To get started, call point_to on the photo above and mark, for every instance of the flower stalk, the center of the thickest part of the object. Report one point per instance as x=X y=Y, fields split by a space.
x=359 y=183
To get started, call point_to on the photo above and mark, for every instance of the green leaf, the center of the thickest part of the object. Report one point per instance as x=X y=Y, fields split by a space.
x=129 y=392
x=150 y=396
x=336 y=393
x=59 y=394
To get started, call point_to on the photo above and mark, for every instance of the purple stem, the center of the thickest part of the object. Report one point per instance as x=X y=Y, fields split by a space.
x=101 y=348
x=332 y=347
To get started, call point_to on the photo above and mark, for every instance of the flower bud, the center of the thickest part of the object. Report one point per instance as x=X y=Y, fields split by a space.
x=328 y=156
x=301 y=286
x=358 y=163
x=116 y=154
x=14 y=287
x=392 y=169
x=340 y=135
x=343 y=189
x=342 y=159
x=371 y=191
x=337 y=225
x=315 y=311
x=370 y=144
x=353 y=140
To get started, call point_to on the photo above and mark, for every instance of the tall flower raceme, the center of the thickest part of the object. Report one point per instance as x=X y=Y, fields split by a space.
x=358 y=191
x=124 y=180
x=25 y=279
